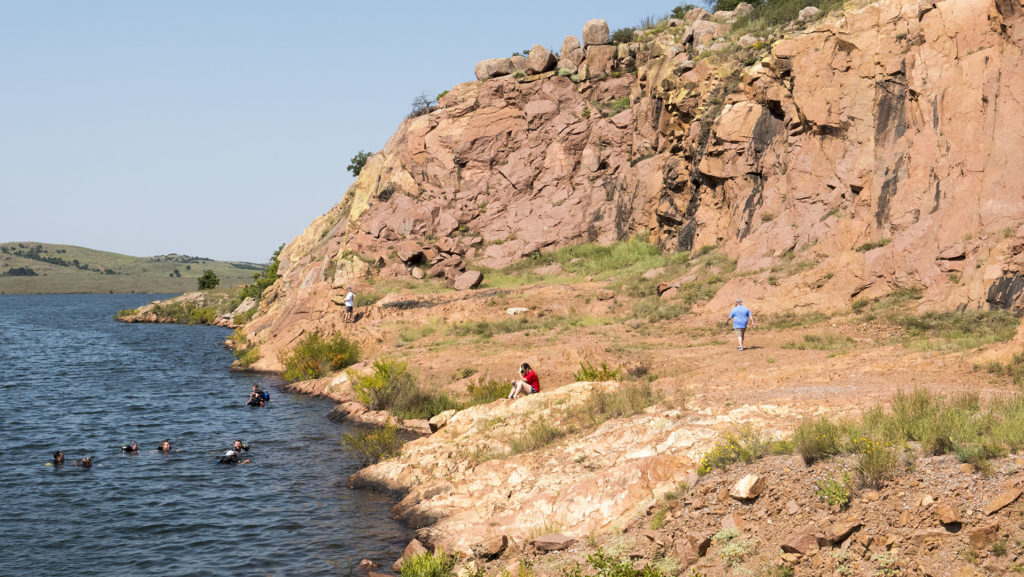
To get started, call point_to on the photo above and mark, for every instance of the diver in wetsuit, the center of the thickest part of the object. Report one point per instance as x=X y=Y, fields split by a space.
x=58 y=458
x=165 y=447
x=84 y=462
x=258 y=397
x=231 y=456
x=130 y=448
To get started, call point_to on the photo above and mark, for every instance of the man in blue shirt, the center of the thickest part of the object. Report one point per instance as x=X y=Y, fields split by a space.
x=741 y=319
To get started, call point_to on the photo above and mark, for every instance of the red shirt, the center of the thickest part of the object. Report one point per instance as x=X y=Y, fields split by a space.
x=533 y=380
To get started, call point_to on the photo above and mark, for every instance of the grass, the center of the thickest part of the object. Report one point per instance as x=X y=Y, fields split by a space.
x=771 y=16
x=817 y=439
x=588 y=372
x=873 y=245
x=821 y=342
x=790 y=320
x=373 y=445
x=315 y=357
x=247 y=356
x=437 y=564
x=486 y=391
x=734 y=549
x=608 y=564
x=957 y=331
x=538 y=434
x=745 y=445
x=1014 y=368
x=391 y=387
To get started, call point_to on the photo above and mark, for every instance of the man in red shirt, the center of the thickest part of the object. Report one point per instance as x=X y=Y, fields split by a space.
x=527 y=385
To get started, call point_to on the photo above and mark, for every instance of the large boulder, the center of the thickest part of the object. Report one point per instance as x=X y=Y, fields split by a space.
x=468 y=280
x=492 y=68
x=600 y=60
x=595 y=32
x=540 y=60
x=569 y=44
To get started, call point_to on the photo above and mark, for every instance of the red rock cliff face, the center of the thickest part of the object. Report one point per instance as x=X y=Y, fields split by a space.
x=881 y=146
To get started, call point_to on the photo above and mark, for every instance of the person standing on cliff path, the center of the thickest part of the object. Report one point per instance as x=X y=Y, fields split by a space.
x=742 y=319
x=350 y=305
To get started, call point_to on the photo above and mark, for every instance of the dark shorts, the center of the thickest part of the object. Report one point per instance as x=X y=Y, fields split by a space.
x=740 y=331
x=348 y=308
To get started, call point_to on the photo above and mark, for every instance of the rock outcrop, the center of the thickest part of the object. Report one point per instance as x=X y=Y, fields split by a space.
x=878 y=147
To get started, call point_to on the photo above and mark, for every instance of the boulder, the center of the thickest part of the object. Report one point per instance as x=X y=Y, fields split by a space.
x=595 y=33
x=690 y=547
x=695 y=15
x=747 y=488
x=417 y=273
x=468 y=280
x=492 y=68
x=653 y=273
x=842 y=529
x=802 y=542
x=600 y=60
x=605 y=295
x=733 y=521
x=1002 y=499
x=809 y=13
x=438 y=421
x=520 y=64
x=947 y=514
x=409 y=252
x=368 y=564
x=569 y=44
x=552 y=542
x=747 y=40
x=491 y=548
x=413 y=549
x=743 y=9
x=540 y=60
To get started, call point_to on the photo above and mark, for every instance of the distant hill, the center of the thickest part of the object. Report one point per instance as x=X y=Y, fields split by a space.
x=41 y=268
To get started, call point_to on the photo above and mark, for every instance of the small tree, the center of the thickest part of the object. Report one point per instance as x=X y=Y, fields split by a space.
x=357 y=162
x=421 y=105
x=209 y=280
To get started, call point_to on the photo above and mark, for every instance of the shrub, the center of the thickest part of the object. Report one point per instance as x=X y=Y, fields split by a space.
x=485 y=391
x=745 y=445
x=623 y=35
x=208 y=280
x=588 y=372
x=373 y=445
x=314 y=357
x=247 y=356
x=876 y=463
x=539 y=434
x=604 y=564
x=421 y=105
x=734 y=549
x=262 y=280
x=960 y=330
x=627 y=400
x=391 y=387
x=437 y=564
x=355 y=166
x=835 y=493
x=681 y=10
x=817 y=439
x=202 y=316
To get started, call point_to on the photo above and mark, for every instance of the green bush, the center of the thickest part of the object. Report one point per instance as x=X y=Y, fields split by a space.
x=486 y=391
x=817 y=439
x=202 y=316
x=391 y=387
x=877 y=462
x=247 y=356
x=588 y=372
x=960 y=330
x=604 y=564
x=314 y=357
x=373 y=445
x=355 y=166
x=437 y=564
x=834 y=492
x=628 y=399
x=744 y=445
x=262 y=280
x=623 y=35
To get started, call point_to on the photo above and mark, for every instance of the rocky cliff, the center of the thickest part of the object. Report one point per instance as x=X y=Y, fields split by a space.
x=878 y=146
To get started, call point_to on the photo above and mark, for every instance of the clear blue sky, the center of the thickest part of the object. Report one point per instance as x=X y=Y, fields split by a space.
x=221 y=129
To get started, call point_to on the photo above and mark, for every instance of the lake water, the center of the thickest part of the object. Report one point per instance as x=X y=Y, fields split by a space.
x=73 y=379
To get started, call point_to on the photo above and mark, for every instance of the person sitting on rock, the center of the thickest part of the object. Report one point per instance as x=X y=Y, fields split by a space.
x=527 y=384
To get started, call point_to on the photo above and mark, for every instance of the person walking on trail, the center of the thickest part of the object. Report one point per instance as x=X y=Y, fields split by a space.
x=350 y=304
x=742 y=319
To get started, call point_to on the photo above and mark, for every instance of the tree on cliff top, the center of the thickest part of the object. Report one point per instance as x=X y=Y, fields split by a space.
x=355 y=166
x=209 y=280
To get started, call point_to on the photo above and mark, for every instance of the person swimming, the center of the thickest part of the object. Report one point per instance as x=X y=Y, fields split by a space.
x=238 y=446
x=130 y=448
x=84 y=462
x=258 y=397
x=165 y=446
x=232 y=455
x=58 y=458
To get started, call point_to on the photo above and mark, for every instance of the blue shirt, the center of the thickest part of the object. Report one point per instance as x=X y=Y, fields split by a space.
x=740 y=315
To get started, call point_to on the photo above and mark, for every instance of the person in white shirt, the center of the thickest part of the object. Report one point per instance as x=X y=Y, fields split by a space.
x=350 y=303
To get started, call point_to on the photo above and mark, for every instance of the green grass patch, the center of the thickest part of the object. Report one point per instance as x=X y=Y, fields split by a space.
x=315 y=357
x=537 y=435
x=745 y=445
x=247 y=356
x=790 y=320
x=589 y=372
x=373 y=445
x=391 y=387
x=821 y=342
x=771 y=16
x=958 y=331
x=818 y=439
x=837 y=493
x=437 y=564
x=486 y=391
x=1014 y=368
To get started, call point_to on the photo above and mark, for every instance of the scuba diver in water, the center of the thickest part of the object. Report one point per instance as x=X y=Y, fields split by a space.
x=258 y=397
x=165 y=446
x=58 y=458
x=231 y=456
x=130 y=448
x=84 y=462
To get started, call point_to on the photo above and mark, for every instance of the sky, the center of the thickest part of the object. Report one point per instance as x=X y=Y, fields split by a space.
x=222 y=129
